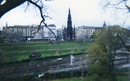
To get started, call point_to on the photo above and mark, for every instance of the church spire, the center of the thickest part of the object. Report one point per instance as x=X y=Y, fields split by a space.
x=69 y=22
x=104 y=24
x=6 y=24
x=69 y=10
x=69 y=26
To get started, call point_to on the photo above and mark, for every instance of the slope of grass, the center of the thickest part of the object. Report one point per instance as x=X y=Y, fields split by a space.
x=122 y=75
x=22 y=52
x=119 y=78
x=70 y=79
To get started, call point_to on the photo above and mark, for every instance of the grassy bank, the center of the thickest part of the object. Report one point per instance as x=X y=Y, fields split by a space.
x=119 y=78
x=122 y=75
x=22 y=51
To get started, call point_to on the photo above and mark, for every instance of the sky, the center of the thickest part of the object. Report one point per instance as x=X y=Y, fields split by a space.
x=83 y=12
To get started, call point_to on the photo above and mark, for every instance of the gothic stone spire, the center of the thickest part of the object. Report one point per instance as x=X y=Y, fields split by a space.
x=69 y=26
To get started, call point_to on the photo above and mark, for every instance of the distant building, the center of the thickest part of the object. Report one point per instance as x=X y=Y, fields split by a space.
x=85 y=32
x=28 y=31
x=32 y=32
x=47 y=34
x=104 y=24
x=37 y=36
x=59 y=34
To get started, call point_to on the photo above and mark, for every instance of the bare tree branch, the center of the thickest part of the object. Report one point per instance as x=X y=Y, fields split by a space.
x=39 y=7
x=1 y=1
x=116 y=5
x=10 y=4
x=127 y=6
x=42 y=16
x=27 y=6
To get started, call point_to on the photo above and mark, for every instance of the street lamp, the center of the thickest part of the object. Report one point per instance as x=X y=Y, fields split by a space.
x=58 y=60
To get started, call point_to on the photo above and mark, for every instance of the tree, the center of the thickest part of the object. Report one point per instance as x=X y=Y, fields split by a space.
x=16 y=37
x=117 y=4
x=119 y=8
x=2 y=56
x=10 y=4
x=13 y=38
x=102 y=53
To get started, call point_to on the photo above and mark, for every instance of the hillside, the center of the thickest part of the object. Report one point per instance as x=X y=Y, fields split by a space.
x=22 y=51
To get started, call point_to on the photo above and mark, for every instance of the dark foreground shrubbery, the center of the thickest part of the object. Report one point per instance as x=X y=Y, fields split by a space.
x=64 y=74
x=47 y=76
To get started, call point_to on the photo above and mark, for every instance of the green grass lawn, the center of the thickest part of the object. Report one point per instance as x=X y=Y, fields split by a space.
x=122 y=75
x=70 y=79
x=22 y=52
x=119 y=78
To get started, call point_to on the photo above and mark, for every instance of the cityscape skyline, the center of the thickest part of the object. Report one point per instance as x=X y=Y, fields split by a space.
x=83 y=12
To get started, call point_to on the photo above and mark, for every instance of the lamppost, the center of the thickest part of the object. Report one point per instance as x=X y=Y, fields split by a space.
x=58 y=60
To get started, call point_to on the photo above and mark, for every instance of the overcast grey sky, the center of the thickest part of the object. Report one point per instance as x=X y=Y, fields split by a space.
x=83 y=12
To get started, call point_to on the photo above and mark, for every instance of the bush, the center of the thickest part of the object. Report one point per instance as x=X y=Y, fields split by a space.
x=93 y=77
x=64 y=74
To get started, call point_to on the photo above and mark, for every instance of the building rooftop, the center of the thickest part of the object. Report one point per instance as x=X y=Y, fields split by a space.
x=51 y=25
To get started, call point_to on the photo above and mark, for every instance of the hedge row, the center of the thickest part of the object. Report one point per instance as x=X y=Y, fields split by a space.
x=47 y=76
x=64 y=74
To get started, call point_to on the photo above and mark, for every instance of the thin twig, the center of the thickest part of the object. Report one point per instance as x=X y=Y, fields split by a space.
x=42 y=16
